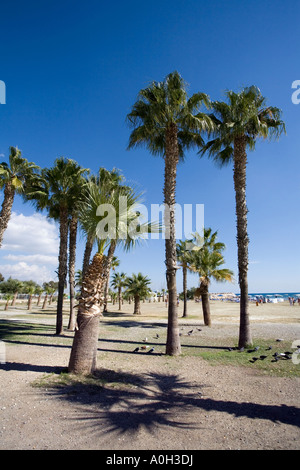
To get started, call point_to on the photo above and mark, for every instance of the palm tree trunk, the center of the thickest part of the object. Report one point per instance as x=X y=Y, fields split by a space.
x=13 y=303
x=137 y=305
x=5 y=214
x=83 y=358
x=240 y=163
x=120 y=298
x=184 y=275
x=205 y=303
x=45 y=302
x=72 y=258
x=29 y=302
x=87 y=254
x=63 y=267
x=173 y=347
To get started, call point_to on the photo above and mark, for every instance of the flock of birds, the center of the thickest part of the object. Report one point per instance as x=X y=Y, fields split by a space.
x=276 y=356
x=151 y=350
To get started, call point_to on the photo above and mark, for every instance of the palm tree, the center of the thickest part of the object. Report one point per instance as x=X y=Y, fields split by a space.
x=118 y=282
x=184 y=258
x=58 y=193
x=168 y=123
x=237 y=125
x=76 y=198
x=101 y=198
x=7 y=297
x=38 y=291
x=13 y=178
x=114 y=264
x=138 y=287
x=206 y=261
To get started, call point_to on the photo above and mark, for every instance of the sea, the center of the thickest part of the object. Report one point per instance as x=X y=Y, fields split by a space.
x=283 y=295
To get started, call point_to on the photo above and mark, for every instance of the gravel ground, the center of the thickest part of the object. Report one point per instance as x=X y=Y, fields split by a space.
x=151 y=402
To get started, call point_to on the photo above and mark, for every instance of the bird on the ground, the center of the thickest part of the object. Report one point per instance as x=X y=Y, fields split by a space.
x=199 y=329
x=144 y=347
x=150 y=350
x=157 y=336
x=190 y=332
x=145 y=340
x=254 y=359
x=263 y=357
x=269 y=348
x=136 y=350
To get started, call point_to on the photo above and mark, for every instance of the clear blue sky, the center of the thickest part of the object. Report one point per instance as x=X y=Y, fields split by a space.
x=73 y=69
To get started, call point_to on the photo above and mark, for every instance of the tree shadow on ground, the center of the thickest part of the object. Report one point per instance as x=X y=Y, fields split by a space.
x=127 y=403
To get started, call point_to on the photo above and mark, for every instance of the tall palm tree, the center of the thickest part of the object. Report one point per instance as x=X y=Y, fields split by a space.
x=75 y=199
x=167 y=123
x=101 y=199
x=57 y=193
x=138 y=287
x=184 y=258
x=237 y=126
x=118 y=282
x=13 y=178
x=207 y=262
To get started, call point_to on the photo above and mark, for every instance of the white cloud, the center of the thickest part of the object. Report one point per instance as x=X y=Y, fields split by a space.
x=31 y=234
x=31 y=244
x=33 y=258
x=26 y=272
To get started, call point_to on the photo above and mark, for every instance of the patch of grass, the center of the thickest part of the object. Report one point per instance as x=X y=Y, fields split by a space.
x=217 y=355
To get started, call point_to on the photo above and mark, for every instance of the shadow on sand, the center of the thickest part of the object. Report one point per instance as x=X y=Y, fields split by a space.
x=121 y=403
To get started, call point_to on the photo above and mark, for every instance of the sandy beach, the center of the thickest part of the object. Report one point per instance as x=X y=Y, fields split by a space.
x=150 y=402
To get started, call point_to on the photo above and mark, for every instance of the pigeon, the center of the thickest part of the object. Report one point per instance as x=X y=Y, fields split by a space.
x=257 y=348
x=157 y=336
x=190 y=332
x=150 y=351
x=145 y=340
x=136 y=350
x=144 y=347
x=269 y=348
x=263 y=357
x=279 y=339
x=254 y=359
x=241 y=349
x=199 y=329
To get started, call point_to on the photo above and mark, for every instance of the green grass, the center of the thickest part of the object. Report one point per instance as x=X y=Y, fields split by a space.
x=220 y=355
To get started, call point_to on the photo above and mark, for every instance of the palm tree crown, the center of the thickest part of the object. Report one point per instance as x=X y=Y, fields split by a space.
x=15 y=177
x=245 y=117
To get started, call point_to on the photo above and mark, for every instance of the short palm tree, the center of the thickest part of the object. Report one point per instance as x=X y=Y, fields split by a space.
x=14 y=178
x=207 y=262
x=108 y=230
x=237 y=126
x=118 y=282
x=138 y=287
x=167 y=123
